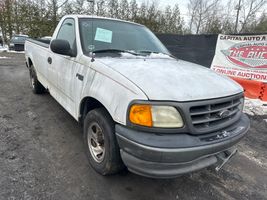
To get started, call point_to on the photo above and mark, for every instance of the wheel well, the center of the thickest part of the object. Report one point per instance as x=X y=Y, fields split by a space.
x=30 y=63
x=88 y=104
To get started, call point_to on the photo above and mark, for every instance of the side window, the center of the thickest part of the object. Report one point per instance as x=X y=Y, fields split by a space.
x=67 y=32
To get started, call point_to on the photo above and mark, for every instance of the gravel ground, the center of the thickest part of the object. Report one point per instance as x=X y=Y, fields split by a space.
x=42 y=156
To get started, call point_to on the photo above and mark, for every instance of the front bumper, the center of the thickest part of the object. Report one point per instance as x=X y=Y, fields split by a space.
x=161 y=155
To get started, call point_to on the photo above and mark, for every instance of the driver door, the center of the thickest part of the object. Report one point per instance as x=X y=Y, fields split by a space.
x=62 y=68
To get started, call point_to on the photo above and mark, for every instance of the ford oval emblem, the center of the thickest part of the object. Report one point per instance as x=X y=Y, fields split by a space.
x=223 y=114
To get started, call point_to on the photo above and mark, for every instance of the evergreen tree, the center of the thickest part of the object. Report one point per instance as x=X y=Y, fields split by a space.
x=124 y=12
x=261 y=27
x=100 y=8
x=113 y=8
x=133 y=10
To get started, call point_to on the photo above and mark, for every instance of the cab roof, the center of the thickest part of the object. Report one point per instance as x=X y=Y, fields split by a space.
x=98 y=17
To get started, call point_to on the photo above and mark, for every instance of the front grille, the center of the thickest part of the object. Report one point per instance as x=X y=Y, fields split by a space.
x=217 y=114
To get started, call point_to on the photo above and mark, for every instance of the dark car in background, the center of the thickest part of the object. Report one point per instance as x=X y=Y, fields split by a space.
x=17 y=42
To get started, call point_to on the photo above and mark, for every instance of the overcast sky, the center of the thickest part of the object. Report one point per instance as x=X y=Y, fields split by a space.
x=183 y=6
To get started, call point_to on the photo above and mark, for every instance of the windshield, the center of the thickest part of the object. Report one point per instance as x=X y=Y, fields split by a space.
x=109 y=36
x=18 y=39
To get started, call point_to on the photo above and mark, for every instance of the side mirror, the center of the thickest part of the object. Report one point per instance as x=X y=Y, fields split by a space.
x=61 y=47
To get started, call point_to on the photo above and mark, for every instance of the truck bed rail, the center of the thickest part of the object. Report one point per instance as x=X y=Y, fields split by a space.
x=41 y=42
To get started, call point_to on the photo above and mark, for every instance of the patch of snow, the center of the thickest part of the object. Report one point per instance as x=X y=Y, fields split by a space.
x=255 y=107
x=251 y=156
x=4 y=57
x=158 y=55
x=129 y=55
x=3 y=49
x=152 y=55
x=15 y=51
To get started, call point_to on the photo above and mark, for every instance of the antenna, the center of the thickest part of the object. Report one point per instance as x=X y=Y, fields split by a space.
x=92 y=2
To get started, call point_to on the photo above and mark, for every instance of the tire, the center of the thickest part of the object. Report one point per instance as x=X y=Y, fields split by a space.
x=101 y=146
x=37 y=87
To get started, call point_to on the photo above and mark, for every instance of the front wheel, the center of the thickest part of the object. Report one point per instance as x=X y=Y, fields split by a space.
x=100 y=142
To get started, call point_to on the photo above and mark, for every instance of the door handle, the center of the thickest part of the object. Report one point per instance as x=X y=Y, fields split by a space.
x=49 y=60
x=79 y=76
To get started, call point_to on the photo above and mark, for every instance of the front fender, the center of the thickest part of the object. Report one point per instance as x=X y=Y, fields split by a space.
x=114 y=93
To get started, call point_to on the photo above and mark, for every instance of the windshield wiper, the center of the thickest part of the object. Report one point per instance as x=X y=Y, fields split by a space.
x=147 y=51
x=115 y=51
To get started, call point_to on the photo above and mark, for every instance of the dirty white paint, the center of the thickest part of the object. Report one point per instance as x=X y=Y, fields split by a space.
x=115 y=82
x=174 y=80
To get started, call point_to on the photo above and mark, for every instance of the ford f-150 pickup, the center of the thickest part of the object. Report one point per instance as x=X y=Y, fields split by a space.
x=140 y=107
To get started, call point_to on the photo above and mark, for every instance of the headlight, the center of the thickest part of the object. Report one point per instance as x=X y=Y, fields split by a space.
x=155 y=116
x=11 y=44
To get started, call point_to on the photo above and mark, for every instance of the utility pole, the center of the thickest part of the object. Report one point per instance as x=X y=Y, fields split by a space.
x=238 y=8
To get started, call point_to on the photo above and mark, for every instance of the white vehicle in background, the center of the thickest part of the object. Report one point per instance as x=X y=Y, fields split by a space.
x=139 y=106
x=48 y=38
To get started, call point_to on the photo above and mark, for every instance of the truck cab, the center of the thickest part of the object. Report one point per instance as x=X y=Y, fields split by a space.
x=140 y=107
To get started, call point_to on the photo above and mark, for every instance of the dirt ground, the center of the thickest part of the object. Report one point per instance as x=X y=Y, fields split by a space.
x=42 y=156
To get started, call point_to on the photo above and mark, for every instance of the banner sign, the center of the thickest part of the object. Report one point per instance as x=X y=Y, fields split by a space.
x=241 y=56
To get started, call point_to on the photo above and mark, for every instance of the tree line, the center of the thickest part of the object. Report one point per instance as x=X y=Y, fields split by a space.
x=38 y=18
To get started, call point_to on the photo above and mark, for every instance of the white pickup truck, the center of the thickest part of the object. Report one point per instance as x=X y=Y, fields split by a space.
x=139 y=106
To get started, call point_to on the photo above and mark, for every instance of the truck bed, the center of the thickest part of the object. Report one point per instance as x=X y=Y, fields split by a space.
x=41 y=42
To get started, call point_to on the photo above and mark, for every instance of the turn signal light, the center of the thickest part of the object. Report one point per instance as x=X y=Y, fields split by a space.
x=141 y=115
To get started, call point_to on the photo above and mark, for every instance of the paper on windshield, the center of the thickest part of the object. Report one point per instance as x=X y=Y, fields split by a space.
x=103 y=35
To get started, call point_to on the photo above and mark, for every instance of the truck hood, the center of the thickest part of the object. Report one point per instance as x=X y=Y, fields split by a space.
x=173 y=80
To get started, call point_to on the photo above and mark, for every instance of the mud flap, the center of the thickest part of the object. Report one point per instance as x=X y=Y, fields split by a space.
x=225 y=158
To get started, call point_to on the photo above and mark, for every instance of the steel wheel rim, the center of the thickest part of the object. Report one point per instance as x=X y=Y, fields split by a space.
x=95 y=139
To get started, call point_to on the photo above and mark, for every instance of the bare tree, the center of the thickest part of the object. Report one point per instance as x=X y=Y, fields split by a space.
x=249 y=8
x=192 y=8
x=261 y=25
x=100 y=8
x=227 y=17
x=55 y=5
x=200 y=12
